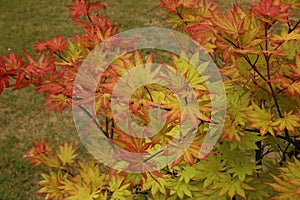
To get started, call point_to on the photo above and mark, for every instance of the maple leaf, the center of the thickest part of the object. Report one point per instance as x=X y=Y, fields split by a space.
x=296 y=69
x=130 y=142
x=57 y=44
x=12 y=63
x=269 y=10
x=181 y=189
x=119 y=189
x=39 y=149
x=247 y=142
x=37 y=68
x=237 y=104
x=53 y=88
x=51 y=183
x=231 y=186
x=286 y=84
x=94 y=6
x=58 y=101
x=102 y=22
x=243 y=169
x=80 y=8
x=67 y=153
x=135 y=179
x=84 y=193
x=287 y=184
x=233 y=131
x=83 y=7
x=289 y=122
x=155 y=184
x=75 y=189
x=91 y=175
x=133 y=151
x=41 y=153
x=187 y=174
x=261 y=119
x=196 y=149
x=230 y=24
x=210 y=170
x=169 y=4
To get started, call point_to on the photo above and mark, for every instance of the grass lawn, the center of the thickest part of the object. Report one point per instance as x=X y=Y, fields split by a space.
x=21 y=24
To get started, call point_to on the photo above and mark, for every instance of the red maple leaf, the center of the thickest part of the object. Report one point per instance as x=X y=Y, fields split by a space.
x=57 y=44
x=94 y=6
x=169 y=4
x=12 y=62
x=269 y=9
x=3 y=77
x=82 y=7
x=39 y=152
x=12 y=67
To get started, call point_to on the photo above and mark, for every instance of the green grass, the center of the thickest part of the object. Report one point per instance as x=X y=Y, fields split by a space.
x=21 y=24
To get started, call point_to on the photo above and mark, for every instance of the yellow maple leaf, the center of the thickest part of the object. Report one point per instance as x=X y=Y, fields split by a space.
x=261 y=119
x=67 y=153
x=289 y=122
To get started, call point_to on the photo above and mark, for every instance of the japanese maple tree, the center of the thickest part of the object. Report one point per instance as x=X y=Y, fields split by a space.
x=257 y=50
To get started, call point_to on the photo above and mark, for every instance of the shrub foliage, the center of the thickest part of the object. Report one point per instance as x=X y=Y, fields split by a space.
x=256 y=48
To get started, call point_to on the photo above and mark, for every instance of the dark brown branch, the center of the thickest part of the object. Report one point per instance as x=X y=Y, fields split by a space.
x=60 y=57
x=294 y=28
x=94 y=120
x=153 y=156
x=148 y=93
x=283 y=159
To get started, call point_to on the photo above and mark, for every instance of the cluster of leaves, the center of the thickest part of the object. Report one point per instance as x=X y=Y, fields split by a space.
x=255 y=48
x=58 y=59
x=53 y=71
x=69 y=178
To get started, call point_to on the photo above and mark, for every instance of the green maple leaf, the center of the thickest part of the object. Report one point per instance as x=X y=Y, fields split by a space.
x=120 y=190
x=261 y=192
x=156 y=184
x=90 y=174
x=181 y=189
x=261 y=119
x=230 y=186
x=188 y=173
x=243 y=168
x=210 y=170
x=247 y=142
